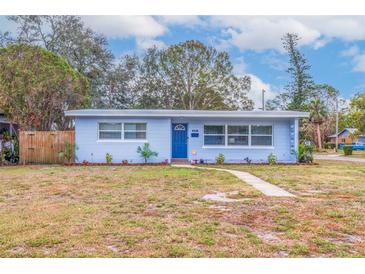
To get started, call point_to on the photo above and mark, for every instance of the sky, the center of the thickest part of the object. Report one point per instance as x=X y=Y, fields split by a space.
x=334 y=46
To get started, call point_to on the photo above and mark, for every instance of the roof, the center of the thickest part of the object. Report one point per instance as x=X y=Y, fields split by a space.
x=184 y=113
x=349 y=129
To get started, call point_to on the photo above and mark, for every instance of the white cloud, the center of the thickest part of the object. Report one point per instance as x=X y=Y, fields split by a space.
x=265 y=32
x=357 y=58
x=146 y=43
x=261 y=33
x=347 y=28
x=255 y=94
x=125 y=26
x=275 y=61
x=359 y=62
x=350 y=52
x=257 y=85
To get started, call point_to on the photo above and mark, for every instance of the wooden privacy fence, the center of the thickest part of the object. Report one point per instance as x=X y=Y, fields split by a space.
x=43 y=147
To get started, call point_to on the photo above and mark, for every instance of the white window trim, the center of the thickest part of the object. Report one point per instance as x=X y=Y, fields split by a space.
x=248 y=135
x=108 y=130
x=224 y=134
x=122 y=140
x=272 y=135
x=249 y=146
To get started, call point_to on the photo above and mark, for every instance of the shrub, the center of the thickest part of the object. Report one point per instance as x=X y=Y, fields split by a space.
x=108 y=158
x=68 y=152
x=329 y=146
x=9 y=148
x=347 y=150
x=219 y=159
x=272 y=159
x=145 y=152
x=305 y=153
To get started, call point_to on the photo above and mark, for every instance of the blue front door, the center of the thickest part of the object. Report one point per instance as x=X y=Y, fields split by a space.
x=179 y=140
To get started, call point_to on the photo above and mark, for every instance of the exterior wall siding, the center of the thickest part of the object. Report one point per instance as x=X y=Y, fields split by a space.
x=92 y=150
x=285 y=140
x=282 y=140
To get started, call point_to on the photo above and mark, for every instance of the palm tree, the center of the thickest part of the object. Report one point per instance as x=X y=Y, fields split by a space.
x=318 y=115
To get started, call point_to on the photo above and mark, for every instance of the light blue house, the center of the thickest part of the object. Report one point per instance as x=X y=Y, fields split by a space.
x=189 y=135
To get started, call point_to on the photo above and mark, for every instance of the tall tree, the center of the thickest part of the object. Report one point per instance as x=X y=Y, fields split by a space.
x=356 y=114
x=190 y=75
x=119 y=90
x=318 y=115
x=37 y=86
x=299 y=90
x=67 y=36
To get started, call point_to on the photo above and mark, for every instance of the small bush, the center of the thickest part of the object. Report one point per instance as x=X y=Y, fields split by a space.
x=220 y=159
x=272 y=159
x=248 y=160
x=145 y=152
x=347 y=150
x=305 y=153
x=329 y=146
x=68 y=152
x=108 y=158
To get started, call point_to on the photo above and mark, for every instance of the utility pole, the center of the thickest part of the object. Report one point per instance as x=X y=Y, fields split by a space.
x=263 y=100
x=336 y=123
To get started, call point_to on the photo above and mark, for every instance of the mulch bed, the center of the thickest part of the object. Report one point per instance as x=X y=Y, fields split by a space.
x=258 y=164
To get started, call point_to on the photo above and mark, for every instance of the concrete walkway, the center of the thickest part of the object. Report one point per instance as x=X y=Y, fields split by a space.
x=261 y=185
x=336 y=157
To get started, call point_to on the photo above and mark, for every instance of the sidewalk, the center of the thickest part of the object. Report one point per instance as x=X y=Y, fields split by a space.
x=336 y=157
x=261 y=185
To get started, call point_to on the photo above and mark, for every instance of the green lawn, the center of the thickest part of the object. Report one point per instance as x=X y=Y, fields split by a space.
x=54 y=211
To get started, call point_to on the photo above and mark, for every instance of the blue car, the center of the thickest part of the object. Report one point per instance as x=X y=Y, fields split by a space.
x=355 y=146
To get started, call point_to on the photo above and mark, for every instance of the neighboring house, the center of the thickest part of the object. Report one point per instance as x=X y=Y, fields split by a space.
x=344 y=137
x=186 y=134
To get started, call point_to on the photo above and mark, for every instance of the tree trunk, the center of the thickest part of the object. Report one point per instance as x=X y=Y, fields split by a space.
x=319 y=136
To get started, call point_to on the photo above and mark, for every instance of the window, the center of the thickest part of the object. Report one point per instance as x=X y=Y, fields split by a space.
x=238 y=135
x=110 y=131
x=135 y=131
x=214 y=135
x=120 y=131
x=179 y=127
x=261 y=135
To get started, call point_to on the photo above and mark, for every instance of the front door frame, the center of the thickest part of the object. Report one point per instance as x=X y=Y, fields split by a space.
x=173 y=125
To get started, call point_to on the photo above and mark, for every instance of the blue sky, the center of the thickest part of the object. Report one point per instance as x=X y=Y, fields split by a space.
x=333 y=45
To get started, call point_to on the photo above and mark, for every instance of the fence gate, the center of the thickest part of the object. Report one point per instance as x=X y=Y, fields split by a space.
x=43 y=147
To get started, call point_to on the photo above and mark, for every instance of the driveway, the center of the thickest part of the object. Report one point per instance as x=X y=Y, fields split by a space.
x=336 y=157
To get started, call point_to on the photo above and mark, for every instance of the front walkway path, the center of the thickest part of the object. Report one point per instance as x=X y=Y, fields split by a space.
x=336 y=157
x=261 y=185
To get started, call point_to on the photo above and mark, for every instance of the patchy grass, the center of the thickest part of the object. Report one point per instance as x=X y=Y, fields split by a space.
x=53 y=211
x=356 y=154
x=327 y=218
